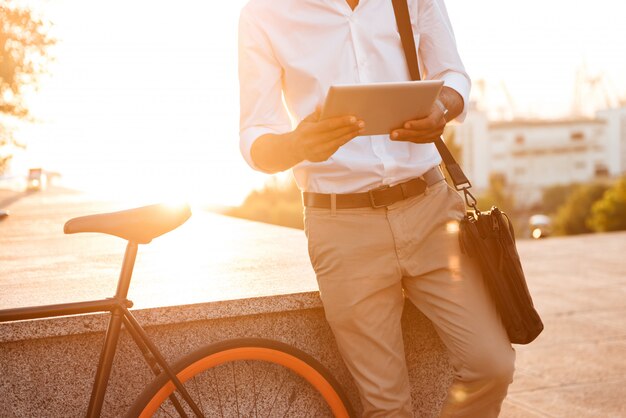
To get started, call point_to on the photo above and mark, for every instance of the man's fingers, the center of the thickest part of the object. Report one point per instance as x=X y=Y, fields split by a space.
x=330 y=143
x=433 y=125
x=415 y=136
x=427 y=124
x=338 y=141
x=330 y=136
x=436 y=119
x=331 y=124
x=319 y=139
x=404 y=134
x=313 y=139
x=325 y=150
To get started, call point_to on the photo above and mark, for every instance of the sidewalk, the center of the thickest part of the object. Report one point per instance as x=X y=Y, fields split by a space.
x=576 y=368
x=211 y=257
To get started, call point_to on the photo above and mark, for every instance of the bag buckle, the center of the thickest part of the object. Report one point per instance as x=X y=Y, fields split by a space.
x=373 y=199
x=470 y=200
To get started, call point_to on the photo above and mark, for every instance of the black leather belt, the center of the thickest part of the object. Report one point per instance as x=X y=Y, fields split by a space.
x=376 y=198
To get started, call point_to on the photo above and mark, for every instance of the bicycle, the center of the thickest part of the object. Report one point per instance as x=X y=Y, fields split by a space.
x=252 y=376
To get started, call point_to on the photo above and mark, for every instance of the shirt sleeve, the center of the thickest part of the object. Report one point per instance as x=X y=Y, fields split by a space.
x=260 y=93
x=438 y=51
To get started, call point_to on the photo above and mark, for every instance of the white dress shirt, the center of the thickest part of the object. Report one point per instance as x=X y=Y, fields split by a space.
x=292 y=51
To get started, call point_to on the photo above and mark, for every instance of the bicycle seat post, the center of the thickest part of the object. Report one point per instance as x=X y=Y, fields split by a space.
x=126 y=272
x=112 y=334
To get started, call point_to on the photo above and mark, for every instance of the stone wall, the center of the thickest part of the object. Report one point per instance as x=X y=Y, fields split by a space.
x=46 y=371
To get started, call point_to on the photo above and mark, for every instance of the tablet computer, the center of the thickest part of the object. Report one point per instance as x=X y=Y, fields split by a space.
x=383 y=106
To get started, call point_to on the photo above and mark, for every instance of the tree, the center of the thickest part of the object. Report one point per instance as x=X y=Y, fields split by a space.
x=609 y=213
x=554 y=197
x=24 y=46
x=278 y=203
x=449 y=138
x=455 y=147
x=497 y=195
x=571 y=218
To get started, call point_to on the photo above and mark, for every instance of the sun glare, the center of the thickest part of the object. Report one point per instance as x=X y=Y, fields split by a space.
x=145 y=112
x=147 y=107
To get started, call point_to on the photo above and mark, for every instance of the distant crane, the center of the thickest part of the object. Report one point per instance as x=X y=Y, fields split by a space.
x=509 y=98
x=480 y=87
x=592 y=93
x=497 y=100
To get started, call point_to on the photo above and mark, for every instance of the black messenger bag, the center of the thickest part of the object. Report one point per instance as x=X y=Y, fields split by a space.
x=487 y=237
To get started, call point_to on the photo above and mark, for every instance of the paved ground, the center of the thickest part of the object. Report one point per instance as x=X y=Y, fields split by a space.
x=576 y=368
x=209 y=258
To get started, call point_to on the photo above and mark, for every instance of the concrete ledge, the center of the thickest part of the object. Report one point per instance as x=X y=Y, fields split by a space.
x=46 y=373
x=81 y=324
x=212 y=279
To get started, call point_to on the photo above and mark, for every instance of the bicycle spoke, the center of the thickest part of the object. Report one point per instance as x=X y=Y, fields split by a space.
x=256 y=410
x=292 y=399
x=232 y=366
x=308 y=409
x=217 y=390
x=267 y=367
x=168 y=414
x=195 y=383
x=276 y=396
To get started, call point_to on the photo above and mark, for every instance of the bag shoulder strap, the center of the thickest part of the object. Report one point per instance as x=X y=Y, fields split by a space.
x=403 y=20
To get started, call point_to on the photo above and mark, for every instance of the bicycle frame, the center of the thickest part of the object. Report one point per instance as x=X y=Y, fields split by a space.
x=118 y=307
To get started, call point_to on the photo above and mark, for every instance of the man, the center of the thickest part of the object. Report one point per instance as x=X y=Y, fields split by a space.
x=370 y=249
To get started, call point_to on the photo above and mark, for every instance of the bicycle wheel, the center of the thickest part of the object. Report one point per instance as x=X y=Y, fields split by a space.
x=248 y=377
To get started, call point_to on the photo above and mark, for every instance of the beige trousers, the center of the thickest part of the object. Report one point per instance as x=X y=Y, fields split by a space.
x=366 y=260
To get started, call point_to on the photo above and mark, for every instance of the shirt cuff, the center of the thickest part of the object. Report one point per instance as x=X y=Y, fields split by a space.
x=461 y=84
x=249 y=135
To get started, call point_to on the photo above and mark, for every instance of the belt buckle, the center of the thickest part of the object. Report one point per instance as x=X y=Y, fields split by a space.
x=373 y=200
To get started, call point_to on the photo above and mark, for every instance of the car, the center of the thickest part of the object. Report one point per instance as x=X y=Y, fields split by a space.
x=540 y=226
x=36 y=179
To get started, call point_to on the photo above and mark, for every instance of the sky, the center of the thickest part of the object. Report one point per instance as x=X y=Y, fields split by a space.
x=142 y=99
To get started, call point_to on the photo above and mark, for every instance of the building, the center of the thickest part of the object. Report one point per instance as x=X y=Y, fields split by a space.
x=530 y=155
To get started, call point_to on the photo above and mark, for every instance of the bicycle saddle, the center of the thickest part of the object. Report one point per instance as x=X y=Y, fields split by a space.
x=139 y=225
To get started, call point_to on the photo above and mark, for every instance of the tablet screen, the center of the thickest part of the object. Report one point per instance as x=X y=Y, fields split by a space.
x=383 y=106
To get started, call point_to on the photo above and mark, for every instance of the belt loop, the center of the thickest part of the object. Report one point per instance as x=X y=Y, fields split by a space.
x=405 y=192
x=333 y=204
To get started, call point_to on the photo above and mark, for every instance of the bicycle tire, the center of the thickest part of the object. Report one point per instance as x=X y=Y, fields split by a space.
x=306 y=388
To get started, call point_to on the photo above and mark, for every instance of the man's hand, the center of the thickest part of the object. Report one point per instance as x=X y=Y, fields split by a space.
x=428 y=129
x=313 y=140
x=317 y=140
x=422 y=131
